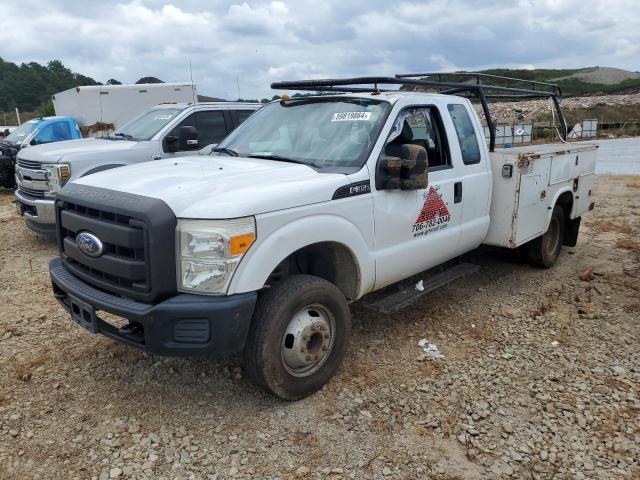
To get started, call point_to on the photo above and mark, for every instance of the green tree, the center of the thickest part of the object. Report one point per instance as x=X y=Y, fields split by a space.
x=46 y=109
x=29 y=86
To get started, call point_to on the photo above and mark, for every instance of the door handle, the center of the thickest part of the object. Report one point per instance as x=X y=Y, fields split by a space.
x=457 y=192
x=156 y=157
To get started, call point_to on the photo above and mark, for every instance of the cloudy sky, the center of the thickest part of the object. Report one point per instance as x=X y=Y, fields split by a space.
x=252 y=43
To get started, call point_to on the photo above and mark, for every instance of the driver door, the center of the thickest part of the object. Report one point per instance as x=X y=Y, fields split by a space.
x=417 y=229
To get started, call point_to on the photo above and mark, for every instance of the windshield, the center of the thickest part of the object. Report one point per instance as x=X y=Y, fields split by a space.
x=146 y=125
x=331 y=132
x=20 y=133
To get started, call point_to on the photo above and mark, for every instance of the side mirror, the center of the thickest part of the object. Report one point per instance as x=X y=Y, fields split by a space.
x=187 y=139
x=409 y=172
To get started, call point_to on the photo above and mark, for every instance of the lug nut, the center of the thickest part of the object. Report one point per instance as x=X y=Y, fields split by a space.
x=308 y=358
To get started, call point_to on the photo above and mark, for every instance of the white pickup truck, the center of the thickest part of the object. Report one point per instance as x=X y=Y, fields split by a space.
x=309 y=205
x=164 y=131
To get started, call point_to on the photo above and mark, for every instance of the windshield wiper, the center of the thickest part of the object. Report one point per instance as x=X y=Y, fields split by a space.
x=125 y=136
x=226 y=150
x=282 y=159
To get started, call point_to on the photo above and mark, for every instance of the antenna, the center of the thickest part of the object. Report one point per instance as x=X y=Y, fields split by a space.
x=238 y=85
x=193 y=90
x=194 y=99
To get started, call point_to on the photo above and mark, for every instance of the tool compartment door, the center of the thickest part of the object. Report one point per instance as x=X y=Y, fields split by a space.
x=531 y=211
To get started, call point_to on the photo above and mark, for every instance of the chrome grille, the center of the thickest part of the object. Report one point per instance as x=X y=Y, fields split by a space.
x=29 y=164
x=31 y=192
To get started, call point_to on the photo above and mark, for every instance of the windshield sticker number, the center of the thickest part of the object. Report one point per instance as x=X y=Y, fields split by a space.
x=163 y=116
x=351 y=116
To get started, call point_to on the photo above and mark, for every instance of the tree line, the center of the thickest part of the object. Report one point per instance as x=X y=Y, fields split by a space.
x=29 y=86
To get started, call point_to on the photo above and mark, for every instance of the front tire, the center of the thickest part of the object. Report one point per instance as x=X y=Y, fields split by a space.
x=298 y=337
x=543 y=251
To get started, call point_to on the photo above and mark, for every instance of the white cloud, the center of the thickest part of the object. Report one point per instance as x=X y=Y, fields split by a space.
x=257 y=42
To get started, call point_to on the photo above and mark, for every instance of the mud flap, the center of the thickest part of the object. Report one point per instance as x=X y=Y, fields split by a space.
x=571 y=232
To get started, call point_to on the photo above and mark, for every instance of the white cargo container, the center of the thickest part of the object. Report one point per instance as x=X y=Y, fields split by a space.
x=116 y=104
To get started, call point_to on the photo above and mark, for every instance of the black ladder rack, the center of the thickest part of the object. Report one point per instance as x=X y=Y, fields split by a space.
x=479 y=90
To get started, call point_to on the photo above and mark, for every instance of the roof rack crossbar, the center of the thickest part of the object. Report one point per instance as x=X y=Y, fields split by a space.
x=344 y=82
x=555 y=88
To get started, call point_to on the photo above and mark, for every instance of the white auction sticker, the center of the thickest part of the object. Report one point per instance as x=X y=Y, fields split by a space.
x=163 y=116
x=350 y=116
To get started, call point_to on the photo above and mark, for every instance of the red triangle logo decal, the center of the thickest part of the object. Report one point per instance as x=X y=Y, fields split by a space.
x=433 y=207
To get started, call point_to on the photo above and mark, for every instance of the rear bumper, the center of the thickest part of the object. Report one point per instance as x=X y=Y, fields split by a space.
x=38 y=212
x=184 y=325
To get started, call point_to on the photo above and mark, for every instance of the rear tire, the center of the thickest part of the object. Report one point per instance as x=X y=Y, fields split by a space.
x=298 y=336
x=543 y=251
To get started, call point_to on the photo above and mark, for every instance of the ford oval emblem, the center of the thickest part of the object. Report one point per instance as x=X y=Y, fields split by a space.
x=89 y=244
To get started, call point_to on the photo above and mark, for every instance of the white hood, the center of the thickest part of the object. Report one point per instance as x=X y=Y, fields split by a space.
x=74 y=149
x=221 y=187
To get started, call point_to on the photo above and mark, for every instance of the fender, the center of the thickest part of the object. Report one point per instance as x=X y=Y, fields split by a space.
x=552 y=204
x=265 y=255
x=101 y=168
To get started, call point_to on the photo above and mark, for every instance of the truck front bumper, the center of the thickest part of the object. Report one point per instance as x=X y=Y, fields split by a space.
x=184 y=325
x=39 y=213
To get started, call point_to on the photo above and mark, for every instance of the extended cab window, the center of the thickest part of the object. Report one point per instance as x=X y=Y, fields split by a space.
x=420 y=126
x=210 y=125
x=466 y=133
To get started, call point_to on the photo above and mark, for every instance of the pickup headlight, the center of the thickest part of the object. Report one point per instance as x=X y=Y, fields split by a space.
x=57 y=175
x=208 y=252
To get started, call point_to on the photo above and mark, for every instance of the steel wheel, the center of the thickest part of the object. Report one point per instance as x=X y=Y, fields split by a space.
x=308 y=340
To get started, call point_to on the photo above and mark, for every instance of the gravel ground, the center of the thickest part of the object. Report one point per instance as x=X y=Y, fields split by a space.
x=540 y=379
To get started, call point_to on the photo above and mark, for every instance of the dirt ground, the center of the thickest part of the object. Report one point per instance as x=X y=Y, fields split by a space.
x=540 y=379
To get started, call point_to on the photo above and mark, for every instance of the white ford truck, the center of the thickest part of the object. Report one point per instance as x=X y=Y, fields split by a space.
x=309 y=205
x=164 y=131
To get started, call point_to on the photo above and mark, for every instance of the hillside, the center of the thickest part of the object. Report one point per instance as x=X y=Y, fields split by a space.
x=576 y=82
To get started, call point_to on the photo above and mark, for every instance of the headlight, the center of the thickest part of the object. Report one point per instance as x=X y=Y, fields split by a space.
x=208 y=252
x=57 y=175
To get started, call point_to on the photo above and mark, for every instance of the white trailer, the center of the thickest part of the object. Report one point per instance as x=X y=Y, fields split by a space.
x=116 y=104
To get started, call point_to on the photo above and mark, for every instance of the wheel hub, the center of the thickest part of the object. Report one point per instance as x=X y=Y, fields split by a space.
x=308 y=340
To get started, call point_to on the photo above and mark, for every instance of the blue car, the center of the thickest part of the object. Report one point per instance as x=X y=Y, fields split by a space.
x=34 y=132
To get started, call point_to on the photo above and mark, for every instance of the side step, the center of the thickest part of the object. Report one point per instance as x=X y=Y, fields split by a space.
x=407 y=294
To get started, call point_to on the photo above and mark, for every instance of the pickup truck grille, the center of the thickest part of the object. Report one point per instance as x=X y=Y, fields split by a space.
x=138 y=255
x=29 y=164
x=30 y=191
x=122 y=267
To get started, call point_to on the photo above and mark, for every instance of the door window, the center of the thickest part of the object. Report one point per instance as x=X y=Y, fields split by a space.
x=210 y=125
x=466 y=133
x=420 y=126
x=243 y=115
